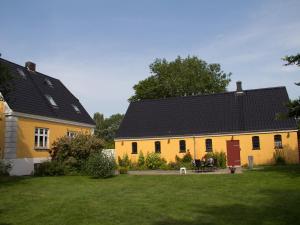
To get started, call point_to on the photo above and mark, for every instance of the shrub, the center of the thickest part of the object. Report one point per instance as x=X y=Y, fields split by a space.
x=79 y=147
x=174 y=165
x=49 y=168
x=187 y=158
x=100 y=165
x=220 y=159
x=123 y=170
x=279 y=157
x=153 y=161
x=185 y=161
x=5 y=167
x=141 y=160
x=125 y=161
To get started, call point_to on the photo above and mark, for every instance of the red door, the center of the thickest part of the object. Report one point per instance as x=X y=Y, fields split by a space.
x=233 y=153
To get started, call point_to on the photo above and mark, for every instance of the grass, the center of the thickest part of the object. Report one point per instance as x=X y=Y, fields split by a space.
x=267 y=196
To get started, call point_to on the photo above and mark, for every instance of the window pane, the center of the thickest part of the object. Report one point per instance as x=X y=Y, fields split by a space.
x=46 y=141
x=255 y=142
x=182 y=147
x=41 y=141
x=208 y=144
x=157 y=146
x=277 y=141
x=36 y=141
x=134 y=148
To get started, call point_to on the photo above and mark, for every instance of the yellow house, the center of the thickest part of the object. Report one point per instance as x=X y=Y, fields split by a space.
x=243 y=124
x=36 y=111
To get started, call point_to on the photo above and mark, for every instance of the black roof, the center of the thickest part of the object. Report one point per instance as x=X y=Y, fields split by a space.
x=28 y=96
x=229 y=112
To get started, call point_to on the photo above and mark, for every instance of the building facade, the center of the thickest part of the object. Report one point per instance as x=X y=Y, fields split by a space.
x=241 y=124
x=36 y=111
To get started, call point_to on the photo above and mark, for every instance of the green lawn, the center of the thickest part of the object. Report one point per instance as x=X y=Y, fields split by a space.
x=269 y=196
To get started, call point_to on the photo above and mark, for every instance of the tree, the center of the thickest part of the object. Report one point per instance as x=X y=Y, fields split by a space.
x=5 y=80
x=292 y=60
x=106 y=128
x=181 y=77
x=293 y=105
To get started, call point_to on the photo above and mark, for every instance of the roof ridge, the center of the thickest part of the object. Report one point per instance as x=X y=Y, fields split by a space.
x=207 y=94
x=15 y=64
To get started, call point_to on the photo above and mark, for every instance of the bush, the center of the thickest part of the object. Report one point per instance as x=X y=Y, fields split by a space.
x=185 y=161
x=141 y=160
x=123 y=170
x=187 y=158
x=5 y=167
x=100 y=165
x=49 y=168
x=279 y=157
x=153 y=161
x=174 y=165
x=79 y=147
x=125 y=161
x=220 y=158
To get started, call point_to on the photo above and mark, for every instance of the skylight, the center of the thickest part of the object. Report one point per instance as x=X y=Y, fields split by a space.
x=48 y=82
x=21 y=72
x=51 y=100
x=76 y=108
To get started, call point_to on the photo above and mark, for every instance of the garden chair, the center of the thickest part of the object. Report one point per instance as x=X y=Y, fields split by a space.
x=210 y=164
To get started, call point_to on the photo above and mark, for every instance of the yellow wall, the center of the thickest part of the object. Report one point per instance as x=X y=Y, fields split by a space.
x=26 y=131
x=2 y=122
x=170 y=146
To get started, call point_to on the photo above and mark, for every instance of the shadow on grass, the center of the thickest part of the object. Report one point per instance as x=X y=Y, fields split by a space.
x=279 y=207
x=13 y=180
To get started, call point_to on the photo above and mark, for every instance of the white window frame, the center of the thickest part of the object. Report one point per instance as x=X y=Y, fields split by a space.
x=75 y=107
x=51 y=100
x=49 y=83
x=22 y=73
x=71 y=134
x=45 y=138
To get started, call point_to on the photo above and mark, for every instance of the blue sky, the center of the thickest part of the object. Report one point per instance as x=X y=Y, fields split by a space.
x=100 y=49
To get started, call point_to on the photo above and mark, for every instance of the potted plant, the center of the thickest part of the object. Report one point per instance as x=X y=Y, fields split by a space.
x=232 y=169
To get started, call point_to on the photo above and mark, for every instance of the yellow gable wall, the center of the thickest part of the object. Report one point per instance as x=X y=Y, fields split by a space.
x=26 y=131
x=170 y=146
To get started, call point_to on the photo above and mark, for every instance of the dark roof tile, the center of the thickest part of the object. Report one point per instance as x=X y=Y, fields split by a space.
x=28 y=96
x=254 y=110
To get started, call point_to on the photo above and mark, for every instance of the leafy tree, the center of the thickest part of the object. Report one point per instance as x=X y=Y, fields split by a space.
x=181 y=77
x=292 y=60
x=294 y=105
x=106 y=128
x=5 y=80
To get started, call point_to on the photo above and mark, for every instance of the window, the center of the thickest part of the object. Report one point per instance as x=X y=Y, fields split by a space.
x=208 y=144
x=41 y=138
x=157 y=146
x=134 y=148
x=21 y=72
x=277 y=141
x=76 y=108
x=51 y=101
x=71 y=134
x=48 y=82
x=182 y=147
x=255 y=143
